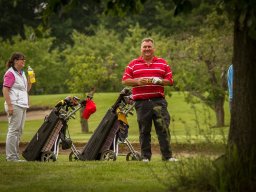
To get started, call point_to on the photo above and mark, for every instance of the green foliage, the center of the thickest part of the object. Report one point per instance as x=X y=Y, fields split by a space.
x=62 y=17
x=245 y=11
x=193 y=174
x=85 y=73
x=94 y=62
x=183 y=6
x=97 y=61
x=48 y=67
x=122 y=8
x=11 y=23
x=235 y=172
x=181 y=17
x=199 y=63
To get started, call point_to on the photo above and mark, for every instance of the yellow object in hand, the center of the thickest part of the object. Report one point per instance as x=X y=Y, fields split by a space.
x=31 y=75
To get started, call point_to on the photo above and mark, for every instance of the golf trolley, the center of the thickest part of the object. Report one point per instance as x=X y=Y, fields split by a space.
x=120 y=134
x=44 y=146
x=110 y=133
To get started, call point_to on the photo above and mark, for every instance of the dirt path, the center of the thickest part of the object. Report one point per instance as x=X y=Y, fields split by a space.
x=178 y=150
x=31 y=115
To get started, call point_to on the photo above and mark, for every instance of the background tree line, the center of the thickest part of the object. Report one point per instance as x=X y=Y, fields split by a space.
x=125 y=33
x=73 y=46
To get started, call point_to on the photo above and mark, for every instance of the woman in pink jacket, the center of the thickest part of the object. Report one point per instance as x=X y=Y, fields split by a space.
x=15 y=92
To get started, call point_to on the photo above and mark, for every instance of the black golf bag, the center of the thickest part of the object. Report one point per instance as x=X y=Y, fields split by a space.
x=54 y=127
x=93 y=149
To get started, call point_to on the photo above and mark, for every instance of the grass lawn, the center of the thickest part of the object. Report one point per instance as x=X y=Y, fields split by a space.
x=190 y=125
x=105 y=176
x=83 y=176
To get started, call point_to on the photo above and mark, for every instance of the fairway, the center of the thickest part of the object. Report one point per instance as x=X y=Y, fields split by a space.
x=93 y=176
x=83 y=176
x=193 y=136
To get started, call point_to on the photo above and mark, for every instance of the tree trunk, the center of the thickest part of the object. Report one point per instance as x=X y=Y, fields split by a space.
x=219 y=103
x=219 y=111
x=83 y=122
x=243 y=115
x=219 y=95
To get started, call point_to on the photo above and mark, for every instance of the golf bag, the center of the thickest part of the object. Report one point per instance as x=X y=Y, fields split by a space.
x=92 y=150
x=119 y=136
x=53 y=129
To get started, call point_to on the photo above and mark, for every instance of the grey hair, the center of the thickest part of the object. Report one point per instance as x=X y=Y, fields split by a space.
x=147 y=39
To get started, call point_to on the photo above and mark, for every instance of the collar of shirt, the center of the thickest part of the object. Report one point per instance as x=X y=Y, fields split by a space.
x=21 y=71
x=140 y=58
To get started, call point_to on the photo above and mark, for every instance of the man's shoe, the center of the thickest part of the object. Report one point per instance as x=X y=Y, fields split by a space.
x=16 y=160
x=21 y=160
x=145 y=160
x=172 y=159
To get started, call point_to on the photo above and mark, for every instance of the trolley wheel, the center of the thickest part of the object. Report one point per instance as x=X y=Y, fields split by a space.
x=73 y=157
x=48 y=156
x=133 y=156
x=108 y=155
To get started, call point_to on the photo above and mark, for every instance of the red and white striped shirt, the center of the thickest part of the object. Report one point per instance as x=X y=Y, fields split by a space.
x=138 y=68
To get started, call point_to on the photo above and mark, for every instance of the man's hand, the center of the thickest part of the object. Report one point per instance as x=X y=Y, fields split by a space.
x=143 y=81
x=157 y=80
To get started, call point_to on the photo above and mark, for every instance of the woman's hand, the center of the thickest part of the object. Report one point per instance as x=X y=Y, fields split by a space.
x=10 y=110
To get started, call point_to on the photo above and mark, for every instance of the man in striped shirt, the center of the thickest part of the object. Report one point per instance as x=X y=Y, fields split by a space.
x=148 y=75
